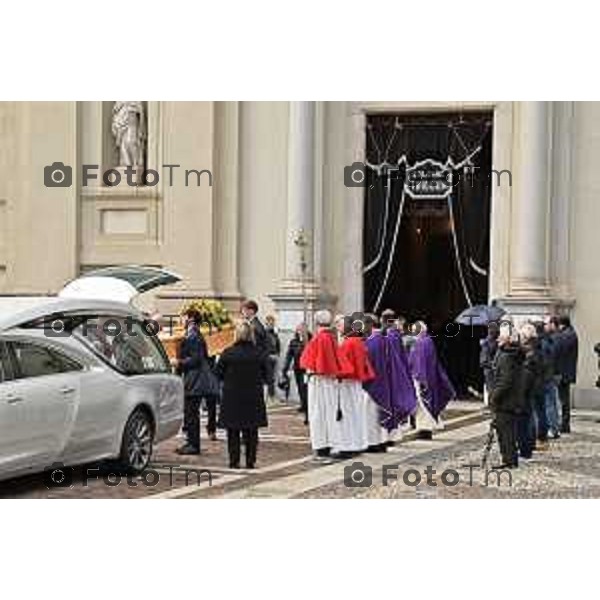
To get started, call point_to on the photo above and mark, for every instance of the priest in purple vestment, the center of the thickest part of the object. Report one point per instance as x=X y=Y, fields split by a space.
x=434 y=389
x=392 y=389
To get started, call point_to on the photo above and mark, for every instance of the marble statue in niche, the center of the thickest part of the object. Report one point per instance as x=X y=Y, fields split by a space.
x=129 y=133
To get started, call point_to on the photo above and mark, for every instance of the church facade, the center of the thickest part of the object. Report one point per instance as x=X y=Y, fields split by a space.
x=252 y=199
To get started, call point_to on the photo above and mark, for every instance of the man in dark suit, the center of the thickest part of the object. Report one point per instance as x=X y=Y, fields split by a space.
x=199 y=382
x=567 y=349
x=250 y=313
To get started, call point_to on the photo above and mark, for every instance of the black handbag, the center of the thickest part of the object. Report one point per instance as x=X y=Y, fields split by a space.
x=209 y=383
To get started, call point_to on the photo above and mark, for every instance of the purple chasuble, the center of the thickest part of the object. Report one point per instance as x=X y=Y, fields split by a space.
x=429 y=373
x=392 y=389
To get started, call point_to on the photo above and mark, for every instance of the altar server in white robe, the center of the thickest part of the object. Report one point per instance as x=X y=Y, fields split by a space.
x=351 y=427
x=321 y=362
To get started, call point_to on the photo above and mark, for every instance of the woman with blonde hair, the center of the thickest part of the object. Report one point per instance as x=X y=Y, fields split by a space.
x=243 y=370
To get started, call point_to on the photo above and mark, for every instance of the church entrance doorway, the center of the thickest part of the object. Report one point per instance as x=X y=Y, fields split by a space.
x=426 y=230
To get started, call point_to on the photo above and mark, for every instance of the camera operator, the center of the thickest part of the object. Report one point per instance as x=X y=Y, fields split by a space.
x=507 y=394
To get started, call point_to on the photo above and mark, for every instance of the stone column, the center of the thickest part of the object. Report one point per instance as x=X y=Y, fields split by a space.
x=530 y=292
x=352 y=259
x=301 y=187
x=43 y=222
x=531 y=192
x=301 y=191
x=562 y=185
x=227 y=208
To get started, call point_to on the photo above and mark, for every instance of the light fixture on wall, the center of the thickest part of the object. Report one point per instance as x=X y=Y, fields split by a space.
x=301 y=242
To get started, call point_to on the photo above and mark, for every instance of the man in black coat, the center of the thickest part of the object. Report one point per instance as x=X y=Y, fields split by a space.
x=531 y=422
x=567 y=349
x=273 y=352
x=198 y=382
x=549 y=350
x=292 y=359
x=507 y=398
x=489 y=347
x=250 y=313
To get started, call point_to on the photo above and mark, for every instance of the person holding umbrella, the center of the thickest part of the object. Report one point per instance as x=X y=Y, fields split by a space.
x=489 y=347
x=491 y=317
x=481 y=315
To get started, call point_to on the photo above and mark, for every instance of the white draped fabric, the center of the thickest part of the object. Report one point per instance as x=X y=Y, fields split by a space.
x=425 y=422
x=376 y=434
x=350 y=432
x=322 y=408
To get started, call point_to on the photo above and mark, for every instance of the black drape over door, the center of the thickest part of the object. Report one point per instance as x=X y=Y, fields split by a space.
x=408 y=139
x=427 y=255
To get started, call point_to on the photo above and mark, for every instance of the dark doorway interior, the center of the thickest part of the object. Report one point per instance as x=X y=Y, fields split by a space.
x=426 y=249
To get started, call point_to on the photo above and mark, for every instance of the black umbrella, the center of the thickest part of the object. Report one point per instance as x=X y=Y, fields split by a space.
x=481 y=314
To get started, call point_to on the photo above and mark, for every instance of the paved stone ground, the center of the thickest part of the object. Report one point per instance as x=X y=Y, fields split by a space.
x=569 y=468
x=284 y=452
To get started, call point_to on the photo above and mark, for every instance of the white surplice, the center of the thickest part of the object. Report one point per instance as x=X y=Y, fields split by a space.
x=350 y=432
x=376 y=434
x=424 y=419
x=322 y=408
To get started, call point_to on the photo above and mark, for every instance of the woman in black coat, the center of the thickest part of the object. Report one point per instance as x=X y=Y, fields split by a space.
x=243 y=369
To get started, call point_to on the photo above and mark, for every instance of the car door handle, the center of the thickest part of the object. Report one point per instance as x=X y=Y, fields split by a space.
x=67 y=390
x=12 y=399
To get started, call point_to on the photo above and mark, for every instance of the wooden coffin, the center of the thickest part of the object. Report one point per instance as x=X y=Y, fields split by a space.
x=216 y=342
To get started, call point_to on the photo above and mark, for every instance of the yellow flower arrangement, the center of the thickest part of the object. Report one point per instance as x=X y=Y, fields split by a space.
x=213 y=314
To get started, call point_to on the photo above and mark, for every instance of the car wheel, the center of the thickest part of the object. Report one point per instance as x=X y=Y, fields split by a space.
x=138 y=438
